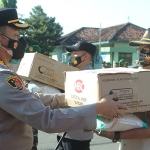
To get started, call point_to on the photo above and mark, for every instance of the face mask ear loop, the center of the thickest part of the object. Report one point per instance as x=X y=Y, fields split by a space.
x=6 y=39
x=4 y=36
x=8 y=51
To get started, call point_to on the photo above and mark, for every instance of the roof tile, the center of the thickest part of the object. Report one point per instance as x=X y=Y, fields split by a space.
x=124 y=33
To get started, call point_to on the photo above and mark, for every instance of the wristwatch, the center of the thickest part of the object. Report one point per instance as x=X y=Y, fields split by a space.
x=116 y=137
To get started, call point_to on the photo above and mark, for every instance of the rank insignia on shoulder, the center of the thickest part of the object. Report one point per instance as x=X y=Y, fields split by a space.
x=1 y=62
x=15 y=82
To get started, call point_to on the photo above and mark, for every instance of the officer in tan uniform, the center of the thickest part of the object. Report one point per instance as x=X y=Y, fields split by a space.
x=20 y=110
x=136 y=139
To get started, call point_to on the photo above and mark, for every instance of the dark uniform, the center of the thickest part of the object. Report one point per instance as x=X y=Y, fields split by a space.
x=35 y=139
x=79 y=139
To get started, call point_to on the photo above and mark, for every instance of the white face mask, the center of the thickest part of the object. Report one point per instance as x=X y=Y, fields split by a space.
x=10 y=52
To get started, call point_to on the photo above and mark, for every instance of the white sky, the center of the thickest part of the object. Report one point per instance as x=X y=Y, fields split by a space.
x=74 y=14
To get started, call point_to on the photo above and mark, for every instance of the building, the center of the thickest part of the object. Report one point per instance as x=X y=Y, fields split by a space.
x=111 y=42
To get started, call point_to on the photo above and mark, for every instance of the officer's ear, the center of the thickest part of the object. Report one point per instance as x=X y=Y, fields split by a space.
x=88 y=56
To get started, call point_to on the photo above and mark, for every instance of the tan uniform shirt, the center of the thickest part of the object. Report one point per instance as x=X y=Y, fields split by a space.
x=135 y=144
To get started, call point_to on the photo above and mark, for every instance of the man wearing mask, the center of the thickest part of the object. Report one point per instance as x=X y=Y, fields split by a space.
x=81 y=55
x=136 y=139
x=20 y=110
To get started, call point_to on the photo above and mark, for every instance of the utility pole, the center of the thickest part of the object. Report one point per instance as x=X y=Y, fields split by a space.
x=100 y=40
x=128 y=18
x=98 y=60
x=100 y=46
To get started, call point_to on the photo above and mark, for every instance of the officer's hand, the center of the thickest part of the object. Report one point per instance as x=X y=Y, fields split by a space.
x=109 y=135
x=108 y=108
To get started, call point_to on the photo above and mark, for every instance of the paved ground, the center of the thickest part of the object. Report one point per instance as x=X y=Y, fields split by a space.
x=48 y=142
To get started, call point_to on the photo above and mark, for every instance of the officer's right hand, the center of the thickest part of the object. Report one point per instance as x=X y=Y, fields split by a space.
x=109 y=135
x=110 y=109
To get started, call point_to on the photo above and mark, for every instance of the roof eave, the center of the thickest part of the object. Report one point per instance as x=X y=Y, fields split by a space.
x=102 y=43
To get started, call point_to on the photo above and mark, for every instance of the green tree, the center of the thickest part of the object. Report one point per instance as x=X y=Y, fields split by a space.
x=43 y=30
x=8 y=3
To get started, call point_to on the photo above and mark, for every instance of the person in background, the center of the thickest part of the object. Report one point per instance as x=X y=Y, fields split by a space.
x=38 y=87
x=81 y=55
x=116 y=64
x=30 y=85
x=20 y=109
x=135 y=139
x=104 y=64
x=108 y=64
x=126 y=64
x=33 y=49
x=121 y=63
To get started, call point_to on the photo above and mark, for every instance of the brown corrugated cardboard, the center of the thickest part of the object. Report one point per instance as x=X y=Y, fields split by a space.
x=43 y=69
x=132 y=85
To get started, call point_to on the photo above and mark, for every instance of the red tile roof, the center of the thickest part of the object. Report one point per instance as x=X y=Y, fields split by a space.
x=119 y=33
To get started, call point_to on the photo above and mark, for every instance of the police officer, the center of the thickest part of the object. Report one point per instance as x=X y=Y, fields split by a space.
x=82 y=54
x=21 y=109
x=136 y=139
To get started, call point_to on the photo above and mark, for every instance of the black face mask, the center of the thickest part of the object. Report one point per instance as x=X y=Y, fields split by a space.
x=75 y=60
x=17 y=46
x=144 y=57
x=18 y=52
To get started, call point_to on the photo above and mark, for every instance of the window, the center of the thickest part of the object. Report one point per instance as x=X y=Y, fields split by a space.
x=127 y=57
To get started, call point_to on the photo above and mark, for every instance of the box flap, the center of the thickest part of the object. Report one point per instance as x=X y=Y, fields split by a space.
x=26 y=64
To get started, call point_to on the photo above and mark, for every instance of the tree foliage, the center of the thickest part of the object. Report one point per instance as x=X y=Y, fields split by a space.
x=43 y=30
x=8 y=3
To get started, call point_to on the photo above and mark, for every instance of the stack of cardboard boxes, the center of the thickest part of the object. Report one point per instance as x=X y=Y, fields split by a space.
x=89 y=86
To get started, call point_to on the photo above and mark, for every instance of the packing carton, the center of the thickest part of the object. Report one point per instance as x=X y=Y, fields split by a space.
x=132 y=86
x=43 y=69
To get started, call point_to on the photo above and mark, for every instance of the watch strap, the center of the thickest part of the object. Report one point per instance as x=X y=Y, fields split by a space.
x=117 y=137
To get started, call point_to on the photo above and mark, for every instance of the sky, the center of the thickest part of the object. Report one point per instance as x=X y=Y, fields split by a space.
x=74 y=14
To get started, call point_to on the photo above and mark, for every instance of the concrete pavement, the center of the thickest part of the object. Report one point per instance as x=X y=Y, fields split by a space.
x=49 y=142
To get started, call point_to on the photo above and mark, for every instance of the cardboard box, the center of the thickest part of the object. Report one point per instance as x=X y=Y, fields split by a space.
x=132 y=85
x=43 y=69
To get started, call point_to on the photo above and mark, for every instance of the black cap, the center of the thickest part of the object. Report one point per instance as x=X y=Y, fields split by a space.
x=9 y=17
x=85 y=46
